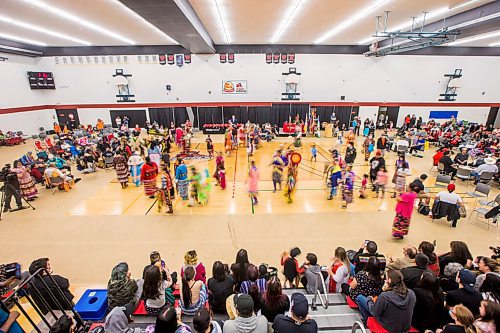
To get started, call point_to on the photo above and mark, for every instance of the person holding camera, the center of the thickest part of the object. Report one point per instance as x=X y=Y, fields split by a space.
x=11 y=188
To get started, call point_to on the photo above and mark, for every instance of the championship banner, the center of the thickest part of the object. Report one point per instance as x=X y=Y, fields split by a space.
x=234 y=87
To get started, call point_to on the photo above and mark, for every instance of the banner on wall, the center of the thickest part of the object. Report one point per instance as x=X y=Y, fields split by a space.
x=443 y=114
x=234 y=87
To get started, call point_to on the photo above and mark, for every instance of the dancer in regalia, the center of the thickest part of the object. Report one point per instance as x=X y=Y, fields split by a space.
x=135 y=163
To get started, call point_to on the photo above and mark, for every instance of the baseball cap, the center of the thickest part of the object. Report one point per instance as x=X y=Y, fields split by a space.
x=299 y=305
x=451 y=187
x=467 y=279
x=244 y=304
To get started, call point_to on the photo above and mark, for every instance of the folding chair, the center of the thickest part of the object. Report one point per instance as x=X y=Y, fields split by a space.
x=442 y=181
x=492 y=203
x=482 y=211
x=481 y=191
x=440 y=168
x=486 y=177
x=463 y=173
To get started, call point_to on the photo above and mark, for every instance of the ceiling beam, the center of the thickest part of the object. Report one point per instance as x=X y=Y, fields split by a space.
x=177 y=19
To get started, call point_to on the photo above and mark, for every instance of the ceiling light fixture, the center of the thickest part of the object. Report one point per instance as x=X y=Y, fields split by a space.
x=21 y=39
x=495 y=44
x=76 y=19
x=291 y=13
x=350 y=21
x=475 y=38
x=146 y=22
x=429 y=16
x=42 y=30
x=221 y=19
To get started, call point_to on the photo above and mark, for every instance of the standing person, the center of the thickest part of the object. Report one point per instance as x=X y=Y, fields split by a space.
x=362 y=190
x=26 y=183
x=355 y=126
x=210 y=146
x=314 y=152
x=368 y=146
x=165 y=194
x=376 y=163
x=149 y=172
x=290 y=185
x=118 y=122
x=181 y=177
x=399 y=179
x=404 y=210
x=253 y=182
x=222 y=177
x=196 y=187
x=278 y=166
x=135 y=163
x=381 y=181
x=219 y=161
x=121 y=168
x=348 y=186
x=335 y=179
x=154 y=153
x=350 y=153
x=382 y=143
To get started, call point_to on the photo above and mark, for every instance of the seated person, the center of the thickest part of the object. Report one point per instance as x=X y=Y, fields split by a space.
x=367 y=282
x=59 y=162
x=363 y=255
x=246 y=320
x=465 y=294
x=409 y=253
x=298 y=320
x=117 y=321
x=27 y=159
x=220 y=286
x=463 y=321
x=154 y=258
x=393 y=309
x=488 y=166
x=437 y=156
x=194 y=293
x=154 y=288
x=422 y=195
x=449 y=169
x=52 y=172
x=122 y=289
x=65 y=302
x=412 y=274
x=461 y=158
x=253 y=279
x=311 y=274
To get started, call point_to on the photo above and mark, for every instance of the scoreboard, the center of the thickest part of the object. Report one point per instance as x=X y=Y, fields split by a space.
x=41 y=80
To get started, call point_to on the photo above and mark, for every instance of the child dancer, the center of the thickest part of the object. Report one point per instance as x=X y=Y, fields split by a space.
x=381 y=181
x=314 y=151
x=348 y=186
x=210 y=147
x=362 y=191
x=253 y=183
x=222 y=177
x=335 y=177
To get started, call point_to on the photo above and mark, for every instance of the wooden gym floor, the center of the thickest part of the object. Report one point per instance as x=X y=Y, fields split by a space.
x=97 y=224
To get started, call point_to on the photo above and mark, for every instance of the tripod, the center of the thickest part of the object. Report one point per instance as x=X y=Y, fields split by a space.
x=14 y=191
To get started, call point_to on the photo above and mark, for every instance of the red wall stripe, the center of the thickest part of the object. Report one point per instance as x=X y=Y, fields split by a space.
x=228 y=104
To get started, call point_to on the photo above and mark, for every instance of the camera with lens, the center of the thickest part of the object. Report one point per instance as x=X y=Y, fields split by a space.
x=6 y=174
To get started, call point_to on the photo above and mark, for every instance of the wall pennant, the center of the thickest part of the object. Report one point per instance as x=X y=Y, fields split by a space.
x=291 y=58
x=223 y=58
x=170 y=59
x=163 y=59
x=230 y=58
x=276 y=58
x=187 y=58
x=284 y=58
x=269 y=58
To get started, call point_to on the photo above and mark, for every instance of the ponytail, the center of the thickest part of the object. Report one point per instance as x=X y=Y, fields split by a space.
x=186 y=290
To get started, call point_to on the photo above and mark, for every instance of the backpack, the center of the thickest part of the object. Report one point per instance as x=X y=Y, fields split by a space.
x=423 y=209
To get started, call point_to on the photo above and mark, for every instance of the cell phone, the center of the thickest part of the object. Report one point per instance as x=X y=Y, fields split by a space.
x=324 y=268
x=163 y=263
x=13 y=269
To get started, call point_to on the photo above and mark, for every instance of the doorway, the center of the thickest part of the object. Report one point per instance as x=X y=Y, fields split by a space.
x=68 y=117
x=492 y=116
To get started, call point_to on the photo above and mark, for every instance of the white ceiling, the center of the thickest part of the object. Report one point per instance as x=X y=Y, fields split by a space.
x=110 y=14
x=256 y=21
x=245 y=21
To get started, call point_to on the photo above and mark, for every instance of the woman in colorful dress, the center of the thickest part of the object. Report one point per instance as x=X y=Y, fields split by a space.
x=219 y=162
x=368 y=146
x=121 y=168
x=26 y=183
x=278 y=166
x=135 y=163
x=165 y=194
x=348 y=186
x=253 y=183
x=399 y=179
x=149 y=172
x=290 y=184
x=404 y=210
x=154 y=152
x=181 y=178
